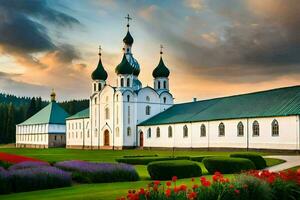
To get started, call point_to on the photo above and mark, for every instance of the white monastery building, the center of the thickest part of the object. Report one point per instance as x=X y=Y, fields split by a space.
x=129 y=115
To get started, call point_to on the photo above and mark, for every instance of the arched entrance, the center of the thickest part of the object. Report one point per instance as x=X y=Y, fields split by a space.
x=106 y=138
x=141 y=139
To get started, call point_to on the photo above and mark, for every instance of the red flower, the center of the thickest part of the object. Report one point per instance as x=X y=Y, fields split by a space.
x=195 y=186
x=183 y=187
x=231 y=186
x=11 y=158
x=236 y=191
x=168 y=183
x=142 y=191
x=156 y=182
x=192 y=195
x=206 y=183
x=193 y=179
x=174 y=178
x=168 y=192
x=176 y=189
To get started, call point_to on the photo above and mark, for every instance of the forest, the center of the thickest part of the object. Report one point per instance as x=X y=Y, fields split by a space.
x=14 y=110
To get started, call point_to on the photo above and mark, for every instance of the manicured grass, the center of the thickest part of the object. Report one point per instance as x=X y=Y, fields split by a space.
x=103 y=191
x=61 y=154
x=273 y=161
x=294 y=168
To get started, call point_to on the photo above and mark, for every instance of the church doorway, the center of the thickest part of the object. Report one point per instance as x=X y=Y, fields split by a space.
x=106 y=138
x=141 y=139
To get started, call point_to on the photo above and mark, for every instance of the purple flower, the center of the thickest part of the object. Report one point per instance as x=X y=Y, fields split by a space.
x=99 y=172
x=28 y=164
x=2 y=169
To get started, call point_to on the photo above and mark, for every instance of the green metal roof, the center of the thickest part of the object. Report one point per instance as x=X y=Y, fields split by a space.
x=99 y=73
x=82 y=114
x=124 y=67
x=161 y=70
x=270 y=103
x=51 y=114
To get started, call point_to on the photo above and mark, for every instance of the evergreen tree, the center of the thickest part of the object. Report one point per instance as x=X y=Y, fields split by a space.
x=10 y=127
x=32 y=108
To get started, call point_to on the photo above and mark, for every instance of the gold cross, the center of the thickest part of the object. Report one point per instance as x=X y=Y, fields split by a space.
x=128 y=18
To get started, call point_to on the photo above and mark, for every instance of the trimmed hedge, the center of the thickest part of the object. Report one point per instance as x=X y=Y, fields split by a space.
x=165 y=170
x=198 y=158
x=227 y=165
x=147 y=160
x=258 y=160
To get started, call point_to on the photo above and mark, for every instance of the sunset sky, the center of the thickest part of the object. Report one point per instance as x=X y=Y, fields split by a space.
x=212 y=47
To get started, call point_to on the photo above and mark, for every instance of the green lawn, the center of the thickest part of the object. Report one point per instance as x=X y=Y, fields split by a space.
x=273 y=161
x=105 y=191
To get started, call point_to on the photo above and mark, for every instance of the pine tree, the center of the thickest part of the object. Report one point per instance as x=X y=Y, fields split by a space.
x=32 y=108
x=10 y=127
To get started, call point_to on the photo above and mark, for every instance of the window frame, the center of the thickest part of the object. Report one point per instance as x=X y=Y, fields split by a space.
x=255 y=129
x=185 y=131
x=202 y=129
x=240 y=127
x=221 y=128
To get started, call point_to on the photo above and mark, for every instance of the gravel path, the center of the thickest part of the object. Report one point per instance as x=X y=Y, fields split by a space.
x=291 y=161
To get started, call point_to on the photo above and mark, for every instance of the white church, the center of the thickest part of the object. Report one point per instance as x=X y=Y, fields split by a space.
x=129 y=115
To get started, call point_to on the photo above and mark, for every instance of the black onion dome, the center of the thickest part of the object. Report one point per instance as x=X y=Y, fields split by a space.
x=161 y=70
x=128 y=39
x=99 y=73
x=136 y=71
x=124 y=67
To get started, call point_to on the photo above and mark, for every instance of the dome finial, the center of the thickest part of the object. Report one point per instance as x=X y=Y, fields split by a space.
x=100 y=49
x=161 y=50
x=128 y=19
x=53 y=96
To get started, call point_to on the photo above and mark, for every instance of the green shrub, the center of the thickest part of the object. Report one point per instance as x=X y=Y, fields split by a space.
x=147 y=160
x=285 y=190
x=4 y=164
x=258 y=160
x=197 y=158
x=227 y=165
x=5 y=182
x=165 y=170
x=140 y=156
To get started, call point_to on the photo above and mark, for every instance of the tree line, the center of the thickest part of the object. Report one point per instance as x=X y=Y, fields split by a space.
x=14 y=110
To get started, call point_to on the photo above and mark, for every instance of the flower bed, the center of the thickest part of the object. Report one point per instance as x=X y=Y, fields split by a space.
x=37 y=178
x=99 y=172
x=28 y=164
x=249 y=186
x=10 y=158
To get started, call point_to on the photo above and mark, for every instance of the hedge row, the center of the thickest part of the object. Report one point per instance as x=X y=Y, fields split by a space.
x=257 y=159
x=146 y=160
x=165 y=170
x=227 y=165
x=140 y=156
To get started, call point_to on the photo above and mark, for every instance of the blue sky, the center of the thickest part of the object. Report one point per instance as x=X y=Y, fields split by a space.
x=212 y=47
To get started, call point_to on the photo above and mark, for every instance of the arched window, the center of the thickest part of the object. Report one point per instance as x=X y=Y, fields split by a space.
x=122 y=82
x=275 y=128
x=128 y=117
x=128 y=131
x=165 y=99
x=95 y=87
x=147 y=98
x=165 y=84
x=99 y=86
x=221 y=129
x=106 y=113
x=185 y=131
x=95 y=100
x=148 y=110
x=255 y=128
x=128 y=82
x=149 y=133
x=157 y=132
x=158 y=85
x=128 y=98
x=170 y=132
x=203 y=131
x=240 y=129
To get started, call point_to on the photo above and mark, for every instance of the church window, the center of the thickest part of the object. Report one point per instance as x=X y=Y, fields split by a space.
x=128 y=131
x=88 y=133
x=95 y=87
x=99 y=86
x=128 y=98
x=55 y=137
x=117 y=132
x=158 y=132
x=170 y=132
x=147 y=98
x=185 y=131
x=149 y=132
x=240 y=129
x=202 y=131
x=106 y=113
x=255 y=128
x=128 y=82
x=128 y=115
x=122 y=82
x=165 y=85
x=117 y=114
x=165 y=99
x=148 y=110
x=158 y=85
x=117 y=97
x=275 y=128
x=95 y=100
x=221 y=129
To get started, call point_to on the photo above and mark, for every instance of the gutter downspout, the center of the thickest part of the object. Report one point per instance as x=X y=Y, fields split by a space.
x=247 y=134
